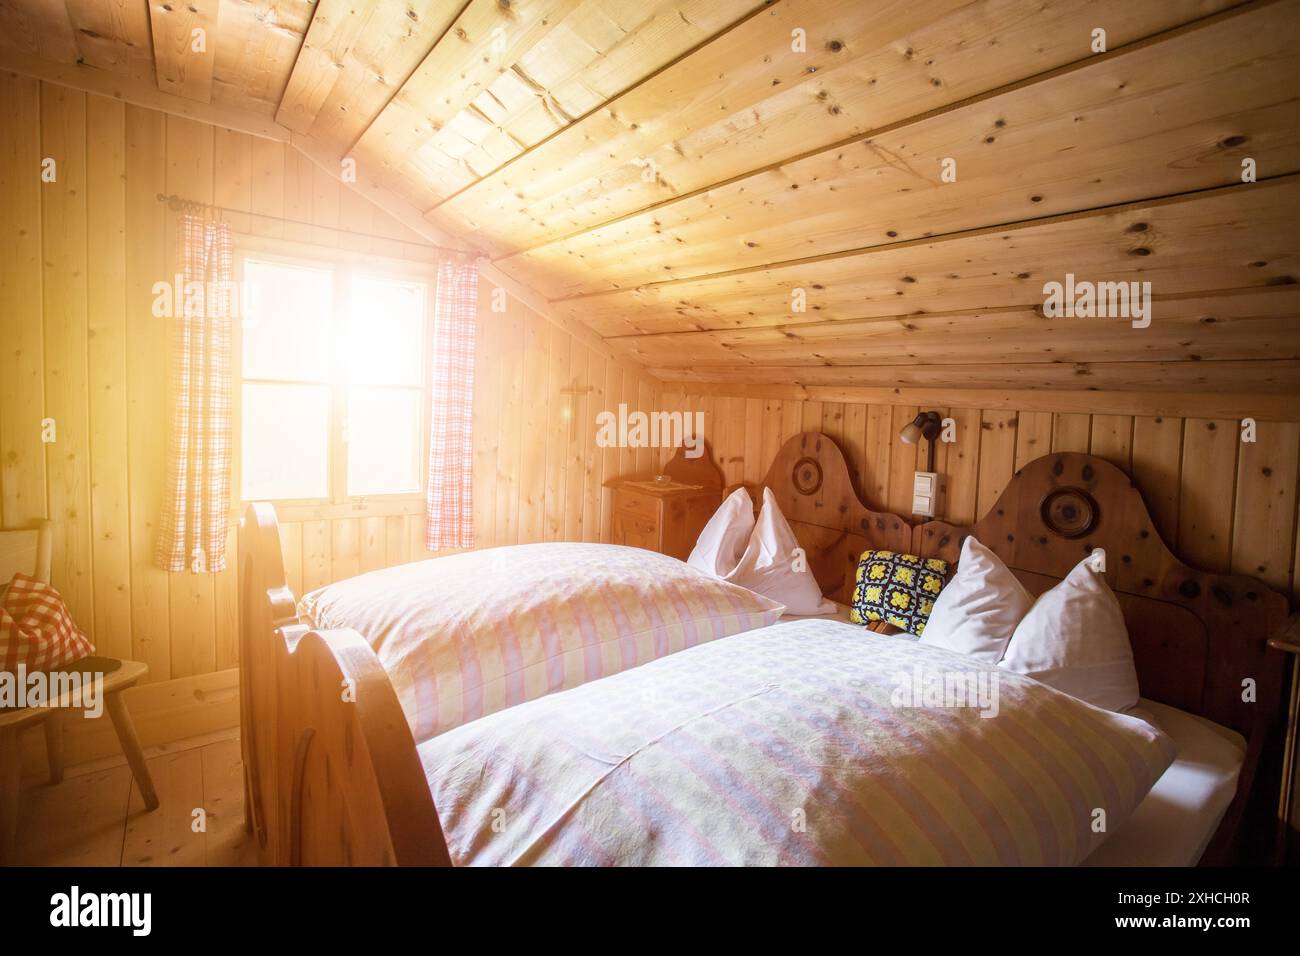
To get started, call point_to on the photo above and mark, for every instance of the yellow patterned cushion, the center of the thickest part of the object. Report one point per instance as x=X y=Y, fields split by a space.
x=897 y=588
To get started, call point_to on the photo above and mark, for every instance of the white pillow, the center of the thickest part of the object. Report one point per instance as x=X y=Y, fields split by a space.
x=768 y=565
x=723 y=540
x=1074 y=639
x=978 y=610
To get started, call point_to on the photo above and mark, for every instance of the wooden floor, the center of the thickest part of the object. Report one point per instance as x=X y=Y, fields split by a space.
x=96 y=817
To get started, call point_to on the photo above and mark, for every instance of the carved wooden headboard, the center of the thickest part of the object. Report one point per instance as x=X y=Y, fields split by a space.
x=810 y=480
x=1196 y=636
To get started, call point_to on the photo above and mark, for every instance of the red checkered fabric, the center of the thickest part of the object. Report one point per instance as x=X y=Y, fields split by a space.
x=36 y=628
x=449 y=491
x=196 y=511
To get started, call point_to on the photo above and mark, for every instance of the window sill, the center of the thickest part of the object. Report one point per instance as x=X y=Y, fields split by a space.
x=378 y=506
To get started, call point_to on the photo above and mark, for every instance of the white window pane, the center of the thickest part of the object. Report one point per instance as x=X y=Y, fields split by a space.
x=384 y=442
x=286 y=317
x=285 y=449
x=383 y=342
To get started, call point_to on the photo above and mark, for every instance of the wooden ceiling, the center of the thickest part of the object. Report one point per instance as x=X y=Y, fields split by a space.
x=667 y=173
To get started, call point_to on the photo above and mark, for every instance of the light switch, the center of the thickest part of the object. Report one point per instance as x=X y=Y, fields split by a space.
x=925 y=493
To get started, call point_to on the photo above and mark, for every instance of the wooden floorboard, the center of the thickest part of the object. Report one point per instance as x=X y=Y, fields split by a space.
x=97 y=817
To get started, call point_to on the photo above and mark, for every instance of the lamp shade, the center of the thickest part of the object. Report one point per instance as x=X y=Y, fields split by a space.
x=911 y=433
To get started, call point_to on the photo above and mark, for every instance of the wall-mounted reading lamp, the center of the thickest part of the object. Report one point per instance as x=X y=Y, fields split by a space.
x=925 y=485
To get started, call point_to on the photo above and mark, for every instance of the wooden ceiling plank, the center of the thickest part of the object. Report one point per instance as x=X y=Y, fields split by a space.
x=486 y=39
x=335 y=27
x=1166 y=118
x=1276 y=377
x=113 y=35
x=260 y=40
x=746 y=94
x=41 y=28
x=181 y=69
x=1227 y=238
x=1239 y=326
x=593 y=55
x=396 y=39
x=141 y=93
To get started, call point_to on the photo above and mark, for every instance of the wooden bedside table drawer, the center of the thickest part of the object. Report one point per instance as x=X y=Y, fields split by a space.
x=633 y=531
x=636 y=503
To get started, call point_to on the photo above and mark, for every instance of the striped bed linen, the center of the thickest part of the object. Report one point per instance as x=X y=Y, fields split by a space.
x=792 y=744
x=466 y=635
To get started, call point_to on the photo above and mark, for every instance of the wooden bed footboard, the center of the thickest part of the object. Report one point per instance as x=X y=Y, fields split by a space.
x=356 y=794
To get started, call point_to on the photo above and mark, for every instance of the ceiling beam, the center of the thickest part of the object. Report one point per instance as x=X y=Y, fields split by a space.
x=1268 y=408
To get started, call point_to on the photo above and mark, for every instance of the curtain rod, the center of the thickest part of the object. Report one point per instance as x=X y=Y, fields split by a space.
x=180 y=203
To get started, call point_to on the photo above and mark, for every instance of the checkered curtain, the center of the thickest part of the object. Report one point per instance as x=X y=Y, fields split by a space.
x=196 y=509
x=449 y=496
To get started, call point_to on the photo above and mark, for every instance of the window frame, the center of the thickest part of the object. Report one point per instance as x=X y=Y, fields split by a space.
x=344 y=266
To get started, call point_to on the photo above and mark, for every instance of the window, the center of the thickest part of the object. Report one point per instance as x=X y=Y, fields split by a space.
x=333 y=380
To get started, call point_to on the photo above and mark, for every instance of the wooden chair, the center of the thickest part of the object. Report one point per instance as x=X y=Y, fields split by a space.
x=30 y=551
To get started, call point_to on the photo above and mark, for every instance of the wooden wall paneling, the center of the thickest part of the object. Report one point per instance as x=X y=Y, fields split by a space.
x=1263 y=524
x=232 y=187
x=22 y=362
x=316 y=559
x=63 y=240
x=299 y=185
x=636 y=461
x=771 y=440
x=961 y=472
x=374 y=542
x=1205 y=502
x=533 y=424
x=610 y=458
x=1112 y=439
x=854 y=443
x=487 y=403
x=1033 y=436
x=576 y=440
x=1071 y=432
x=106 y=360
x=556 y=432
x=509 y=430
x=902 y=462
x=146 y=390
x=415 y=533
x=876 y=465
x=594 y=456
x=345 y=548
x=266 y=192
x=751 y=471
x=291 y=548
x=324 y=207
x=190 y=158
x=1157 y=466
x=647 y=458
x=397 y=546
x=997 y=457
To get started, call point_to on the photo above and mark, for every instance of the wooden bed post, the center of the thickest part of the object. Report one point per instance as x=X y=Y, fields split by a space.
x=265 y=602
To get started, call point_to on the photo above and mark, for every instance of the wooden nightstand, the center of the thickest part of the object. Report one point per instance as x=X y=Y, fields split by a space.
x=666 y=516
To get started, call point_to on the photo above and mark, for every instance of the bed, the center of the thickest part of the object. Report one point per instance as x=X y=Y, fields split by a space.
x=355 y=788
x=462 y=636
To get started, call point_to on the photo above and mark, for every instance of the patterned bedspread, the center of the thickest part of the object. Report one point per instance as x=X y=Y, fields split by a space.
x=810 y=742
